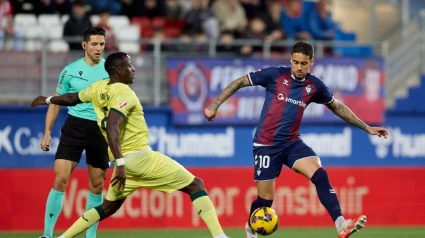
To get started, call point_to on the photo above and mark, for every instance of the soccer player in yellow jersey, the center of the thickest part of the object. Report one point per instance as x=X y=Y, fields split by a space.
x=120 y=115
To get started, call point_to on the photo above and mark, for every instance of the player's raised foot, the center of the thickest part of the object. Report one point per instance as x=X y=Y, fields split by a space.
x=249 y=232
x=43 y=237
x=351 y=226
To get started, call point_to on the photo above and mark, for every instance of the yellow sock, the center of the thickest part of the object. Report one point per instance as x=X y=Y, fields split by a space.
x=88 y=219
x=205 y=208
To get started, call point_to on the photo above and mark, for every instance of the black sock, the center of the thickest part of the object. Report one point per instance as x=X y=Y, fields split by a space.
x=327 y=195
x=260 y=202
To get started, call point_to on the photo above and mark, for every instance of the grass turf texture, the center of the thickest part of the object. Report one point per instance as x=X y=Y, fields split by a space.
x=417 y=232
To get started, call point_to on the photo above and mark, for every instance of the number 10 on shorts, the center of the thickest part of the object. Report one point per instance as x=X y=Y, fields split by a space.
x=262 y=161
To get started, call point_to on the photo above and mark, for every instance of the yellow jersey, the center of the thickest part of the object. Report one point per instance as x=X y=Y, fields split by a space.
x=122 y=99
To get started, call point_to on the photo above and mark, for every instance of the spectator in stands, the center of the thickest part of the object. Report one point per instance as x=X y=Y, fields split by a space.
x=114 y=6
x=253 y=8
x=159 y=34
x=54 y=6
x=174 y=10
x=294 y=21
x=255 y=31
x=274 y=29
x=185 y=41
x=7 y=29
x=24 y=6
x=321 y=25
x=200 y=17
x=129 y=8
x=200 y=40
x=185 y=4
x=154 y=8
x=230 y=14
x=144 y=8
x=104 y=17
x=226 y=42
x=76 y=24
x=192 y=41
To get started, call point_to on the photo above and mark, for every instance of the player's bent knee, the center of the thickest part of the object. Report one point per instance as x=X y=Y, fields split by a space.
x=96 y=190
x=96 y=187
x=199 y=183
x=60 y=182
x=97 y=180
x=307 y=166
x=194 y=187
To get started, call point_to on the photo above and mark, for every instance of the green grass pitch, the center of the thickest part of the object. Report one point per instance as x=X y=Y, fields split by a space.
x=235 y=233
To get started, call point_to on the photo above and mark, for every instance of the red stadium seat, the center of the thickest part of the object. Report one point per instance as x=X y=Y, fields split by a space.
x=142 y=22
x=172 y=32
x=159 y=22
x=175 y=23
x=147 y=32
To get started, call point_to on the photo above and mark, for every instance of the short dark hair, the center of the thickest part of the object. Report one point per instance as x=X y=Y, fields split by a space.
x=303 y=47
x=114 y=60
x=93 y=31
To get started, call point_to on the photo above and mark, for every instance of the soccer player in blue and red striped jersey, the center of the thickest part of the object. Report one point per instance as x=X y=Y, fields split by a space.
x=277 y=140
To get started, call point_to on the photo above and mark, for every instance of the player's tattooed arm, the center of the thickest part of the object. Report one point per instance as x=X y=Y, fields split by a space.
x=229 y=91
x=346 y=114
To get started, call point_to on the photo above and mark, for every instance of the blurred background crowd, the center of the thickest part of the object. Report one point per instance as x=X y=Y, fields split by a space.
x=182 y=20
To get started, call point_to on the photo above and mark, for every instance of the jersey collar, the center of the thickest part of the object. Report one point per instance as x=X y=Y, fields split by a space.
x=293 y=77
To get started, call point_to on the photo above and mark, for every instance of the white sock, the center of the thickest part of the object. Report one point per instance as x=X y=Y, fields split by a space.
x=339 y=221
x=221 y=236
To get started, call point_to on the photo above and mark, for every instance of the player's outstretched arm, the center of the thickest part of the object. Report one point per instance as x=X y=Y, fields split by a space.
x=346 y=114
x=233 y=87
x=113 y=132
x=69 y=99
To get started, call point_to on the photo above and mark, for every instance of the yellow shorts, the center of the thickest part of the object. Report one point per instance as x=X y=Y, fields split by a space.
x=152 y=170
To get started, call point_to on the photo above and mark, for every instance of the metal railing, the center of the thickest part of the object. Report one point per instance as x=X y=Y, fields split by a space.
x=405 y=55
x=25 y=75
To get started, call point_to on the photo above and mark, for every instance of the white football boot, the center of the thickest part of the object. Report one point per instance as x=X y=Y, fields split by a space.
x=249 y=232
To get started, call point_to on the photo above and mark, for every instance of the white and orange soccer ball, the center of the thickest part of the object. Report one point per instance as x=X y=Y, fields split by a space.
x=264 y=221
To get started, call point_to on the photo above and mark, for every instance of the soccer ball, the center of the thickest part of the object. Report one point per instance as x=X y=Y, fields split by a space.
x=264 y=221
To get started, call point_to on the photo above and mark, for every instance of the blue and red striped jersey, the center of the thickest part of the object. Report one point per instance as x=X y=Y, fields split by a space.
x=285 y=102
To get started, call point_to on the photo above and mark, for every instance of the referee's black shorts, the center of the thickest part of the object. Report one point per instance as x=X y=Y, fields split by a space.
x=81 y=134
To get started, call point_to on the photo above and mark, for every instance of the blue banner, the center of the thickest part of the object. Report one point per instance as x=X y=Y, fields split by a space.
x=196 y=82
x=21 y=130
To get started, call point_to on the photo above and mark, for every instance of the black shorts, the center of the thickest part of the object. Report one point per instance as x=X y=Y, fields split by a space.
x=80 y=134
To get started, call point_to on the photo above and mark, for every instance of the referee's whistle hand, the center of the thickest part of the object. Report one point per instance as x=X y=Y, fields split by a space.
x=119 y=178
x=45 y=142
x=40 y=100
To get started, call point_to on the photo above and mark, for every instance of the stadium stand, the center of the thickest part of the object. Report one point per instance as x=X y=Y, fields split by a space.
x=49 y=27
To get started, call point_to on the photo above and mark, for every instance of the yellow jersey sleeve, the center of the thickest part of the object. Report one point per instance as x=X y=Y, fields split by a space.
x=86 y=95
x=122 y=102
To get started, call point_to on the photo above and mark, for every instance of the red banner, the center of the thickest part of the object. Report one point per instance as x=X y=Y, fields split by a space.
x=388 y=196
